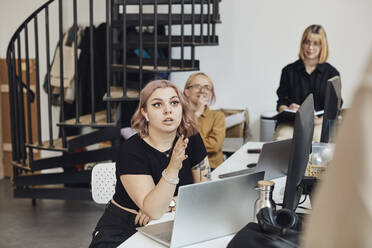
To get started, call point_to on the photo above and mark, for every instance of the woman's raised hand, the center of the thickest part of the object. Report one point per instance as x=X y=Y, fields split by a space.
x=178 y=154
x=202 y=103
x=203 y=100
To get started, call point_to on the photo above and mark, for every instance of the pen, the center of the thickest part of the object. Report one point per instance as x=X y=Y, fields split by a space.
x=257 y=150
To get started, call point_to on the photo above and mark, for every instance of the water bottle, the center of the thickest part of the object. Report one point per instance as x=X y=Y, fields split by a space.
x=265 y=198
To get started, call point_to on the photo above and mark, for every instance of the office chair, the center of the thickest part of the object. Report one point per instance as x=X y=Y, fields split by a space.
x=103 y=182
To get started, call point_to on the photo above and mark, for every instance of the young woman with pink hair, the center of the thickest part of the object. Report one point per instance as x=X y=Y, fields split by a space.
x=167 y=152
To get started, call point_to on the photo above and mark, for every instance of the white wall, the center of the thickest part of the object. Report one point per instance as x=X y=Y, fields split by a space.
x=258 y=38
x=12 y=14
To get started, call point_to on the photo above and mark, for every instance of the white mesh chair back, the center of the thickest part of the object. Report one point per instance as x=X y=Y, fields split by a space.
x=103 y=182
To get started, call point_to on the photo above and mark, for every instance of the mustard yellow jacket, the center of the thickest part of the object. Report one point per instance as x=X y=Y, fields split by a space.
x=212 y=130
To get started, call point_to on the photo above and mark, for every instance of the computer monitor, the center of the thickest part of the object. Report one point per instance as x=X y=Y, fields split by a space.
x=332 y=105
x=301 y=148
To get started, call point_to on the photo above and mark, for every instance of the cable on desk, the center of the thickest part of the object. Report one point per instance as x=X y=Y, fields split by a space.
x=303 y=200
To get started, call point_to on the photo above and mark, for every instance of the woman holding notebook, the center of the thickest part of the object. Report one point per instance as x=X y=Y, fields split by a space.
x=309 y=74
x=167 y=152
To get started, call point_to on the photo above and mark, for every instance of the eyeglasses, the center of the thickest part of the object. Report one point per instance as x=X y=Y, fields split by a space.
x=311 y=43
x=198 y=87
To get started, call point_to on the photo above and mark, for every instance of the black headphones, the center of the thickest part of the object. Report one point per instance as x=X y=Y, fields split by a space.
x=283 y=221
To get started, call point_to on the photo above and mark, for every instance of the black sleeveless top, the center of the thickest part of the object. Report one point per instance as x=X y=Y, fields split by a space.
x=135 y=156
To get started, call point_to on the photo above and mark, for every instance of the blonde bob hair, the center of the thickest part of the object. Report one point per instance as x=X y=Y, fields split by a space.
x=317 y=32
x=187 y=127
x=192 y=78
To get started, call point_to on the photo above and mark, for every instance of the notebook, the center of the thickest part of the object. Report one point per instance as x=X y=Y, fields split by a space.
x=207 y=211
x=290 y=115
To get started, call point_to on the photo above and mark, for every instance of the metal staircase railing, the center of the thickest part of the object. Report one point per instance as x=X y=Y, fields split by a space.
x=184 y=25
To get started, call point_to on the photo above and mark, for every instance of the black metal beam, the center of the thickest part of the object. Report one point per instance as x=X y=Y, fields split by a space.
x=76 y=75
x=151 y=2
x=20 y=104
x=70 y=160
x=123 y=47
x=108 y=58
x=140 y=17
x=61 y=76
x=48 y=67
x=148 y=20
x=155 y=34
x=13 y=102
x=104 y=134
x=54 y=193
x=183 y=32
x=193 y=33
x=53 y=178
x=163 y=41
x=91 y=49
x=161 y=62
x=92 y=125
x=37 y=81
x=170 y=23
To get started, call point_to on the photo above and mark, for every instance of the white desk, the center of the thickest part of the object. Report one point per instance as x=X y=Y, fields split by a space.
x=237 y=161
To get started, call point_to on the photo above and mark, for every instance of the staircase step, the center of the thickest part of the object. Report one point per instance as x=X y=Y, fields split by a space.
x=148 y=65
x=79 y=141
x=160 y=2
x=105 y=134
x=53 y=178
x=148 y=19
x=116 y=94
x=62 y=193
x=70 y=160
x=148 y=41
x=19 y=165
x=86 y=121
x=57 y=145
x=160 y=68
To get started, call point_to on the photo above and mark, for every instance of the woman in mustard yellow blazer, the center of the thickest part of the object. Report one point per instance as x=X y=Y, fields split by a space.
x=199 y=90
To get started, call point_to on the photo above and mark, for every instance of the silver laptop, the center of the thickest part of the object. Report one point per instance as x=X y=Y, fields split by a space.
x=274 y=160
x=208 y=210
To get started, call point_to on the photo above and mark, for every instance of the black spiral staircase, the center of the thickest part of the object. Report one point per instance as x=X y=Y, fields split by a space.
x=185 y=24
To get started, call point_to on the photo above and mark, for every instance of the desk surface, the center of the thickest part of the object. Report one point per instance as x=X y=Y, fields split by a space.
x=237 y=161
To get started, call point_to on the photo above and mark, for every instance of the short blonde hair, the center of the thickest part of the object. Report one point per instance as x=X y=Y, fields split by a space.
x=191 y=79
x=188 y=125
x=316 y=31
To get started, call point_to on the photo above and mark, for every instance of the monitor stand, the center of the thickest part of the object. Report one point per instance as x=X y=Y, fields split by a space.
x=308 y=185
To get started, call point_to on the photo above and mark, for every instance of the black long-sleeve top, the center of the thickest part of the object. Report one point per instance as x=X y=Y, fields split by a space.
x=296 y=84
